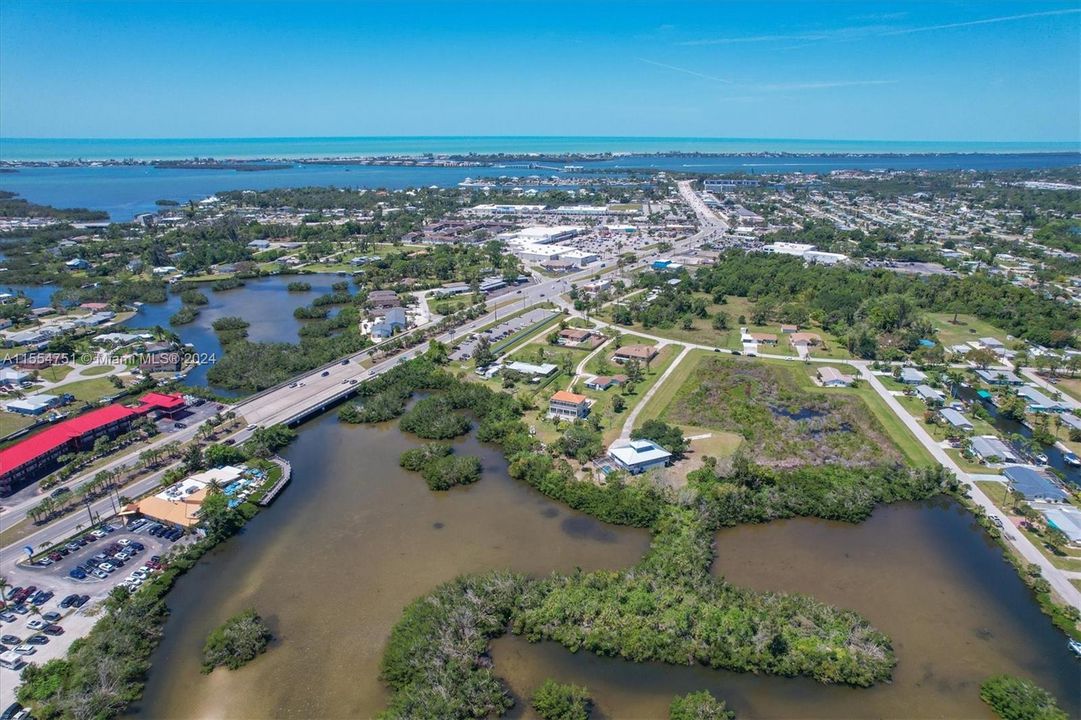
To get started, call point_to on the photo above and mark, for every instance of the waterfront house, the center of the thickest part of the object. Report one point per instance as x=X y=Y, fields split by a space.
x=832 y=377
x=955 y=419
x=999 y=376
x=568 y=406
x=929 y=395
x=1037 y=401
x=1066 y=519
x=989 y=448
x=912 y=376
x=1033 y=483
x=641 y=353
x=638 y=456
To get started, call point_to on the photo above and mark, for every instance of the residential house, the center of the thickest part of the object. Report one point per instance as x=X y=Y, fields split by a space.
x=639 y=456
x=832 y=377
x=1033 y=483
x=989 y=448
x=805 y=338
x=641 y=353
x=603 y=382
x=1037 y=401
x=912 y=376
x=565 y=405
x=764 y=338
x=929 y=395
x=999 y=376
x=955 y=419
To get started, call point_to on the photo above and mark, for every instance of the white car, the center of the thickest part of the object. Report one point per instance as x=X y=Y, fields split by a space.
x=36 y=624
x=107 y=567
x=123 y=541
x=26 y=649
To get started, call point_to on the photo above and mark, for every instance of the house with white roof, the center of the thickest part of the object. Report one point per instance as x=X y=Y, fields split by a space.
x=639 y=456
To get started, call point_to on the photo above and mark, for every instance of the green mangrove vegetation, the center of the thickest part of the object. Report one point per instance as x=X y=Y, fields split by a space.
x=236 y=642
x=1017 y=699
x=561 y=701
x=699 y=706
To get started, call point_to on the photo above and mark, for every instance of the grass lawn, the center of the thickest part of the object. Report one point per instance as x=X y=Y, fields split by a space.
x=91 y=390
x=56 y=373
x=95 y=370
x=968 y=327
x=1071 y=387
x=10 y=422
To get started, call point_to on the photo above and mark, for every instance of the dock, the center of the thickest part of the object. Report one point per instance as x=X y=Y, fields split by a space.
x=287 y=475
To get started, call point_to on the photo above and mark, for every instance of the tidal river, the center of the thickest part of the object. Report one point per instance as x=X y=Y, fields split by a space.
x=354 y=539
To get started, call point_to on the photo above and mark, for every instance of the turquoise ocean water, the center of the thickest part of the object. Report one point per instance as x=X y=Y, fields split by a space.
x=23 y=149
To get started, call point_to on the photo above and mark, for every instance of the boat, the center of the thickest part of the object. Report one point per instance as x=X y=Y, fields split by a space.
x=1071 y=459
x=1076 y=647
x=1041 y=459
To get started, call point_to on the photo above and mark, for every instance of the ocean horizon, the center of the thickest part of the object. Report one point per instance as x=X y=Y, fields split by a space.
x=148 y=149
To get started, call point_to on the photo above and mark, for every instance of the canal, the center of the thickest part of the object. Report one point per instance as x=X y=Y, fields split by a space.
x=354 y=539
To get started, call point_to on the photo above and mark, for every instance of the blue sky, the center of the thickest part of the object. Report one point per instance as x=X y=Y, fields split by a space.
x=850 y=70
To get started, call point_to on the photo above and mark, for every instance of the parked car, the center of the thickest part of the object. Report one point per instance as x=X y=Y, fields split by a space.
x=100 y=574
x=77 y=573
x=7 y=617
x=68 y=601
x=138 y=524
x=53 y=630
x=26 y=649
x=19 y=609
x=83 y=600
x=10 y=640
x=36 y=624
x=38 y=639
x=51 y=617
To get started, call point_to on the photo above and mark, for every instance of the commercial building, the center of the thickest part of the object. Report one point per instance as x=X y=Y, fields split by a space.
x=540 y=234
x=568 y=406
x=639 y=456
x=789 y=248
x=393 y=319
x=37 y=455
x=33 y=405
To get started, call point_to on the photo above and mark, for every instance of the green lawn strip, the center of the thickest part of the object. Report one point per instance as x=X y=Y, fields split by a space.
x=95 y=370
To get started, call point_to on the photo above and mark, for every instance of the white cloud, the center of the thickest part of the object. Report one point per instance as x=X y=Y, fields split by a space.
x=865 y=31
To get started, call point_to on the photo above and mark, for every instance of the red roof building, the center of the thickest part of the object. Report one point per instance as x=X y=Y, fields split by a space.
x=37 y=455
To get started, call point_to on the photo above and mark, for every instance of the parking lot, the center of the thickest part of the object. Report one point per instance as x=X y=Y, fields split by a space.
x=501 y=331
x=189 y=416
x=66 y=606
